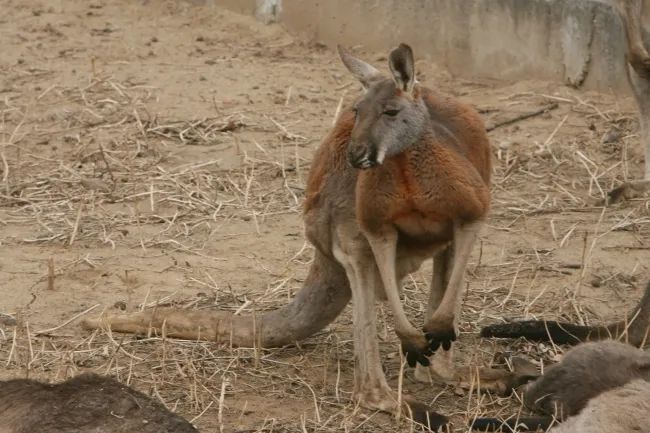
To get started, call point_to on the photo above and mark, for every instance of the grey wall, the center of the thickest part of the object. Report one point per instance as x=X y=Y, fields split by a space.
x=578 y=42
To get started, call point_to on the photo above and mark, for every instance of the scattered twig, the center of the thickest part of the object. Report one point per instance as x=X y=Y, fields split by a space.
x=522 y=116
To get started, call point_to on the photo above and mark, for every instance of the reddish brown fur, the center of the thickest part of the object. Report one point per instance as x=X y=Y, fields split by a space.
x=405 y=187
x=328 y=159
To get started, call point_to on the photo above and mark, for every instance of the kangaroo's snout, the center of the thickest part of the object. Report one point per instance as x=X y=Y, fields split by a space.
x=361 y=156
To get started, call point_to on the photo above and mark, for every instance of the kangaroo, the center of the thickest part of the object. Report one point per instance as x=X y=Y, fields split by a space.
x=638 y=59
x=403 y=176
x=86 y=403
x=634 y=329
x=621 y=410
x=587 y=381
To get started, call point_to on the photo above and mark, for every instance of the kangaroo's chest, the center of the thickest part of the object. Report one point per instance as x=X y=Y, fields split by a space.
x=408 y=198
x=414 y=195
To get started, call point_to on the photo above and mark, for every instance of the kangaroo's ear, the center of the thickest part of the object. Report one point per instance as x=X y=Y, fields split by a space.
x=402 y=66
x=361 y=70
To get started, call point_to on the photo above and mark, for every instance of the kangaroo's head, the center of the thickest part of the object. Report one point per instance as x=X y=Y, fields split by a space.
x=391 y=114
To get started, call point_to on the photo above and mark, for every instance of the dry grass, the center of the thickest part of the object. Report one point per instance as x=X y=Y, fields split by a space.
x=549 y=250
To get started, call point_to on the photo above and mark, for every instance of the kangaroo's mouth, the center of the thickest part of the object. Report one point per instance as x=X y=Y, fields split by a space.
x=362 y=159
x=363 y=163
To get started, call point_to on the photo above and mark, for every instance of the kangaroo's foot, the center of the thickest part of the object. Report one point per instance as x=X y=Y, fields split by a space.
x=383 y=399
x=440 y=370
x=496 y=380
x=500 y=382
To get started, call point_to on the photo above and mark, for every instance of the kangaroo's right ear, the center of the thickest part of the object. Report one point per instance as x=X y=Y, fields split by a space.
x=402 y=66
x=362 y=71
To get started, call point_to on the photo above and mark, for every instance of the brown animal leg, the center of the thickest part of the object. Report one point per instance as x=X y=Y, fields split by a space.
x=441 y=328
x=414 y=343
x=371 y=389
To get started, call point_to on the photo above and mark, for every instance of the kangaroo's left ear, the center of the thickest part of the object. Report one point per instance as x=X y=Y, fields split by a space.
x=361 y=70
x=402 y=66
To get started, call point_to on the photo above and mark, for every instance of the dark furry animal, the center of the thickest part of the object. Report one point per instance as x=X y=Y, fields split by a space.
x=88 y=403
x=588 y=372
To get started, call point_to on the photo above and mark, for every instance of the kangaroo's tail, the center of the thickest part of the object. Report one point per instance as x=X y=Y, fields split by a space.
x=324 y=295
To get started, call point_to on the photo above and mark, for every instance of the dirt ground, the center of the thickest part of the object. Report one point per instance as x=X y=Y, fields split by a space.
x=156 y=152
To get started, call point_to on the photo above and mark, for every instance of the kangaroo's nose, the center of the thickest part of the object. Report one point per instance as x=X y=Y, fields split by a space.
x=360 y=157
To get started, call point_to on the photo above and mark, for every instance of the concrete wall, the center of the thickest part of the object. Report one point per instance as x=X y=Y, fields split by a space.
x=578 y=42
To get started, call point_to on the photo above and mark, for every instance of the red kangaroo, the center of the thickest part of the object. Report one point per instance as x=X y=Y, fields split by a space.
x=403 y=176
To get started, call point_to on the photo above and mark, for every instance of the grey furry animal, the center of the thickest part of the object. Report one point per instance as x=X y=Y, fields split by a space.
x=587 y=371
x=620 y=410
x=88 y=403
x=590 y=377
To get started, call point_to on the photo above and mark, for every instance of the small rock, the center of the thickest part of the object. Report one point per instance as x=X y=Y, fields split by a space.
x=612 y=136
x=7 y=320
x=95 y=184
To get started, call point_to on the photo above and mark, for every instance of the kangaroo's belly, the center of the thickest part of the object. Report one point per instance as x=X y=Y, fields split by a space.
x=419 y=230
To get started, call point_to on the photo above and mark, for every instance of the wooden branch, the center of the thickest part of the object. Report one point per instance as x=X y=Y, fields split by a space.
x=522 y=116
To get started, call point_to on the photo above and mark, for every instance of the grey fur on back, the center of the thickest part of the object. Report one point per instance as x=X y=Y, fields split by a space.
x=84 y=404
x=620 y=410
x=586 y=371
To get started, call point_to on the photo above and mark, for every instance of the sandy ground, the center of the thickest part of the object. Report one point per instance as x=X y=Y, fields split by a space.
x=156 y=152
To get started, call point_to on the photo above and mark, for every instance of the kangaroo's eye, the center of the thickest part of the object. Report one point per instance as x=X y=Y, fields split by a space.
x=391 y=113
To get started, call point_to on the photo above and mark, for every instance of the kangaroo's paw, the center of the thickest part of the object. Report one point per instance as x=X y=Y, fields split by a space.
x=416 y=349
x=440 y=333
x=443 y=338
x=416 y=355
x=384 y=399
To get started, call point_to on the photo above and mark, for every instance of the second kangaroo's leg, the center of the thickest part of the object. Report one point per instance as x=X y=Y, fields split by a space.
x=442 y=326
x=414 y=343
